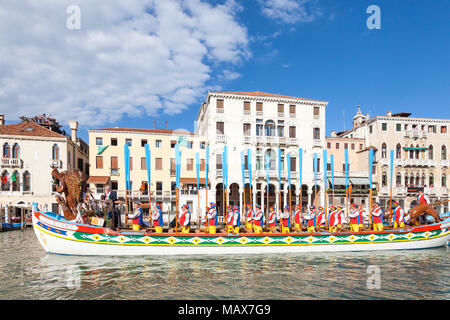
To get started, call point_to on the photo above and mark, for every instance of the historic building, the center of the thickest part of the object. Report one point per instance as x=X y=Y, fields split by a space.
x=264 y=123
x=30 y=151
x=107 y=165
x=421 y=157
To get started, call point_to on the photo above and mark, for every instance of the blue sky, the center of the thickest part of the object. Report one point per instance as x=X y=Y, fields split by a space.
x=318 y=49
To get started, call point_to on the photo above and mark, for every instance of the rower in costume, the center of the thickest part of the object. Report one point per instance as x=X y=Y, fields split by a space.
x=399 y=216
x=249 y=217
x=136 y=217
x=333 y=219
x=340 y=216
x=204 y=219
x=157 y=219
x=258 y=220
x=310 y=218
x=229 y=219
x=422 y=198
x=377 y=217
x=272 y=220
x=354 y=217
x=212 y=218
x=185 y=219
x=361 y=217
x=298 y=218
x=285 y=220
x=321 y=217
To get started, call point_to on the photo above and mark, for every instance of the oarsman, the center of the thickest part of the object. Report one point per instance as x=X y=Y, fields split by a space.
x=185 y=219
x=340 y=216
x=298 y=218
x=272 y=220
x=333 y=219
x=211 y=216
x=236 y=219
x=136 y=217
x=204 y=219
x=232 y=219
x=422 y=198
x=310 y=218
x=249 y=218
x=229 y=219
x=361 y=217
x=285 y=220
x=399 y=216
x=258 y=221
x=321 y=217
x=157 y=219
x=377 y=216
x=354 y=217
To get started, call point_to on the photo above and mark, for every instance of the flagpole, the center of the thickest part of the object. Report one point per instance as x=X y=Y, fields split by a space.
x=325 y=161
x=390 y=197
x=370 y=186
x=288 y=165
x=347 y=194
x=332 y=174
x=300 y=173
x=148 y=163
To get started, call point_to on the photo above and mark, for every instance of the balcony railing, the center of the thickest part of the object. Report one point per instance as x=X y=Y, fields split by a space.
x=56 y=163
x=221 y=138
x=259 y=113
x=260 y=139
x=293 y=141
x=400 y=190
x=444 y=191
x=247 y=112
x=292 y=115
x=432 y=191
x=271 y=140
x=317 y=143
x=219 y=110
x=384 y=161
x=280 y=114
x=416 y=134
x=114 y=171
x=399 y=162
x=282 y=140
x=12 y=162
x=445 y=163
x=218 y=172
x=248 y=139
x=384 y=190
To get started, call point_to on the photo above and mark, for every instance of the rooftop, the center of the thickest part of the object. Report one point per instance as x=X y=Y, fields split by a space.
x=265 y=94
x=137 y=130
x=29 y=128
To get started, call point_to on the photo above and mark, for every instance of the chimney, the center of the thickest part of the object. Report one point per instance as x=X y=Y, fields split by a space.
x=73 y=130
x=333 y=133
x=389 y=114
x=2 y=119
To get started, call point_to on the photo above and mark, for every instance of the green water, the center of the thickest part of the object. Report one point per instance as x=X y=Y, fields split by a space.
x=27 y=272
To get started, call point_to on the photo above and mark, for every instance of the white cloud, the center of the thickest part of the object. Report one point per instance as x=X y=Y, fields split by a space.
x=290 y=11
x=134 y=57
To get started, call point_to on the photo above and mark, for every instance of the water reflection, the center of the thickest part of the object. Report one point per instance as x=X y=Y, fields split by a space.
x=27 y=272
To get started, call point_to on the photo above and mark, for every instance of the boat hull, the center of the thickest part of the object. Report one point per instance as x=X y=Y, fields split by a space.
x=57 y=235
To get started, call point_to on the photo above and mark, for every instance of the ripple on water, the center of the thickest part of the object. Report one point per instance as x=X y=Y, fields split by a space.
x=27 y=272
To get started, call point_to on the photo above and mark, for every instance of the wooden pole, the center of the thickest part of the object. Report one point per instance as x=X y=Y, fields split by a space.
x=267 y=208
x=150 y=205
x=290 y=202
x=370 y=208
x=199 y=212
x=326 y=210
x=390 y=206
x=176 y=211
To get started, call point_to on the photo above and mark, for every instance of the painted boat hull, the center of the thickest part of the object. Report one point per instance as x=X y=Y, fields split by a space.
x=12 y=226
x=59 y=236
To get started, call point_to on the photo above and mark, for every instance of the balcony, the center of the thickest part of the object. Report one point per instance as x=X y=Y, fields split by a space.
x=293 y=141
x=384 y=161
x=114 y=171
x=384 y=190
x=432 y=191
x=317 y=143
x=260 y=139
x=219 y=110
x=56 y=164
x=247 y=139
x=247 y=112
x=271 y=140
x=221 y=138
x=280 y=114
x=415 y=134
x=445 y=163
x=399 y=162
x=292 y=115
x=12 y=162
x=218 y=172
x=444 y=191
x=282 y=140
x=400 y=190
x=431 y=163
x=259 y=113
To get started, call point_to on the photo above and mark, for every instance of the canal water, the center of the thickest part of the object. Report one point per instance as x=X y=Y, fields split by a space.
x=27 y=272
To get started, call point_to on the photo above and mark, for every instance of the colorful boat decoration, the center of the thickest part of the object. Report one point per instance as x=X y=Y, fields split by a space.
x=60 y=236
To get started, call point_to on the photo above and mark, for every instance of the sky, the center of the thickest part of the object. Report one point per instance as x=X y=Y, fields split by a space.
x=129 y=63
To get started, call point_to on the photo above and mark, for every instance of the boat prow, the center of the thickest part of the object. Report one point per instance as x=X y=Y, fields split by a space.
x=60 y=236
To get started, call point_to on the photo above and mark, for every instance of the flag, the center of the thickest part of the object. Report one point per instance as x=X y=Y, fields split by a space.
x=288 y=163
x=370 y=167
x=207 y=165
x=249 y=160
x=182 y=141
x=346 y=169
x=325 y=167
x=148 y=163
x=279 y=168
x=243 y=168
x=300 y=167
x=197 y=168
x=13 y=177
x=101 y=149
x=126 y=152
x=332 y=170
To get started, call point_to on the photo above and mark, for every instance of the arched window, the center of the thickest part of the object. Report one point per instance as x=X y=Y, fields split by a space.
x=398 y=179
x=384 y=179
x=444 y=180
x=417 y=152
x=422 y=180
x=417 y=180
x=412 y=182
x=444 y=153
x=15 y=151
x=430 y=152
x=398 y=151
x=431 y=180
x=6 y=150
x=411 y=152
x=26 y=181
x=55 y=152
x=406 y=180
x=5 y=181
x=383 y=151
x=15 y=181
x=271 y=154
x=270 y=128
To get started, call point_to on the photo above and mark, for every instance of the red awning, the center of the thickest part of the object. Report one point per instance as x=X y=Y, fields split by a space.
x=98 y=179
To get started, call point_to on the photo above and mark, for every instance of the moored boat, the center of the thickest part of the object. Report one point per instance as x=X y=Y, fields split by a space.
x=60 y=236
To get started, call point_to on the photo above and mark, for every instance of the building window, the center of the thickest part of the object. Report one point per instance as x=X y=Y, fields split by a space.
x=328 y=145
x=384 y=179
x=259 y=106
x=247 y=106
x=280 y=128
x=190 y=165
x=384 y=126
x=292 y=132
x=280 y=108
x=158 y=164
x=219 y=104
x=316 y=133
x=99 y=162
x=348 y=167
x=352 y=146
x=158 y=143
x=430 y=152
x=172 y=167
x=370 y=129
x=398 y=151
x=272 y=159
x=114 y=165
x=131 y=163
x=143 y=163
x=398 y=180
x=293 y=164
x=218 y=161
x=190 y=144
x=99 y=141
x=444 y=153
x=114 y=141
x=202 y=165
x=316 y=112
x=398 y=127
x=15 y=151
x=247 y=129
x=360 y=146
x=443 y=129
x=202 y=145
x=172 y=144
x=345 y=145
x=270 y=128
x=259 y=127
x=432 y=129
x=318 y=164
x=337 y=145
x=143 y=142
x=55 y=152
x=444 y=180
x=128 y=142
x=26 y=181
x=431 y=180
x=292 y=109
x=383 y=151
x=219 y=128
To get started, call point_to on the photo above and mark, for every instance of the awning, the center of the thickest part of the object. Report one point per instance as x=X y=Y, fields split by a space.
x=360 y=181
x=98 y=179
x=338 y=181
x=192 y=180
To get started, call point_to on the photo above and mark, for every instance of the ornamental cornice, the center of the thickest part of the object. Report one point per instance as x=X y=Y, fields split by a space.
x=269 y=99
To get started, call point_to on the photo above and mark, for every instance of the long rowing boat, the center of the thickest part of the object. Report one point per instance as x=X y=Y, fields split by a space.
x=60 y=236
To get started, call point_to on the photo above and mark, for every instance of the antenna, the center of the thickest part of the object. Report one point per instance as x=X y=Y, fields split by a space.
x=343 y=117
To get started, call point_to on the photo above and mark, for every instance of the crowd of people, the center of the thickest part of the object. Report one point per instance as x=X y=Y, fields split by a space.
x=315 y=219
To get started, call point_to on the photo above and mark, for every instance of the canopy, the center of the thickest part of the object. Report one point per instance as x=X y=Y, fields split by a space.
x=413 y=149
x=360 y=181
x=338 y=181
x=98 y=179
